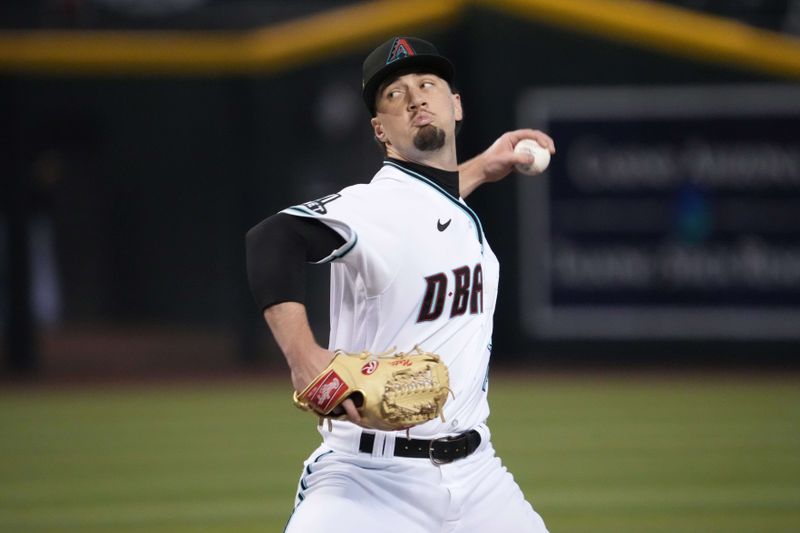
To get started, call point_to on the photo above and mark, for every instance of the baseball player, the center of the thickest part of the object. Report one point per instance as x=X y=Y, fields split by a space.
x=410 y=266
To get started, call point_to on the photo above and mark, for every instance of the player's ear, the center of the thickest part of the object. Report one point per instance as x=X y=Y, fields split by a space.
x=459 y=113
x=377 y=129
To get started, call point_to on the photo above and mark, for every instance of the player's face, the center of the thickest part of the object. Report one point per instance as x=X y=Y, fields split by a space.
x=416 y=112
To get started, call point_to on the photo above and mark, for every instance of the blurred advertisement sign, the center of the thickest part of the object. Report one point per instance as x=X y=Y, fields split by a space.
x=669 y=212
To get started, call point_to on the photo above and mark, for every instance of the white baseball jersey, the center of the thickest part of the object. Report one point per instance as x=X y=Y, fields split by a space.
x=415 y=270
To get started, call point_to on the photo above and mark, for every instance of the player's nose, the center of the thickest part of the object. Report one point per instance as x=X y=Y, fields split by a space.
x=416 y=99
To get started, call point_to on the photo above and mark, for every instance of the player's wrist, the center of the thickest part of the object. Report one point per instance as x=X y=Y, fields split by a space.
x=306 y=363
x=471 y=175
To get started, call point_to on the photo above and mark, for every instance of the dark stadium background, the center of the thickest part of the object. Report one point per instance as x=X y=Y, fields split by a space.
x=140 y=141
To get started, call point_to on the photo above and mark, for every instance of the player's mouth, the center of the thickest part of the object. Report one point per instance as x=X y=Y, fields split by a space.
x=422 y=118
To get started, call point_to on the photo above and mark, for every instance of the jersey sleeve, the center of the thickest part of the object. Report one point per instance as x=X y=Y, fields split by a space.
x=355 y=213
x=318 y=212
x=342 y=212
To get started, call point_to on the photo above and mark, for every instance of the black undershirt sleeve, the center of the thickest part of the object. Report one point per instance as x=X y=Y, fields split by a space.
x=278 y=249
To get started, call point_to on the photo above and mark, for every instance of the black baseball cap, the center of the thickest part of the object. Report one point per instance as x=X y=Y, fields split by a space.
x=401 y=53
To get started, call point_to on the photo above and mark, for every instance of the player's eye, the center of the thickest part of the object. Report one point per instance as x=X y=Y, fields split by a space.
x=391 y=95
x=426 y=84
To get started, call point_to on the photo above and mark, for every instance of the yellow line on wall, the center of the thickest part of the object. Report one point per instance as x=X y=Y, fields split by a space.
x=651 y=24
x=333 y=32
x=675 y=30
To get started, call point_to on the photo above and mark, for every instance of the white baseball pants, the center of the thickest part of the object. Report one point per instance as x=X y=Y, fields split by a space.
x=343 y=492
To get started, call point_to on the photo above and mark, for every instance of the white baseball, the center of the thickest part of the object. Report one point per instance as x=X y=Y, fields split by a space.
x=541 y=157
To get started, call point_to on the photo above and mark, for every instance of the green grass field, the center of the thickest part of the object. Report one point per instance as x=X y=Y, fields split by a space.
x=627 y=454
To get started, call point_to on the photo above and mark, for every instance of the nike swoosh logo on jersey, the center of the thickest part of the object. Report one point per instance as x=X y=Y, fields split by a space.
x=442 y=227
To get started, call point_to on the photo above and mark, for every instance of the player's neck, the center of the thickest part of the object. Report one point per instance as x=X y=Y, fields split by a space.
x=443 y=159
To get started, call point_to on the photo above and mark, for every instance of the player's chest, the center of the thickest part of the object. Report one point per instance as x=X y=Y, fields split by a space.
x=447 y=268
x=442 y=229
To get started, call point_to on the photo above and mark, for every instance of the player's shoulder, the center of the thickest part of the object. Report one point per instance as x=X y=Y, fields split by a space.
x=387 y=186
x=387 y=180
x=389 y=175
x=354 y=197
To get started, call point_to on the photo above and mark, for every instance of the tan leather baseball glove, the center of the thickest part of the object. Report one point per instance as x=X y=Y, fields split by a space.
x=392 y=391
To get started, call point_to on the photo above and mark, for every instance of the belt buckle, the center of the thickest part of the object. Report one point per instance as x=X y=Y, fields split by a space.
x=435 y=461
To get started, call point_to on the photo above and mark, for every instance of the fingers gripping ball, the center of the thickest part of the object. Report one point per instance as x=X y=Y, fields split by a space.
x=541 y=157
x=397 y=391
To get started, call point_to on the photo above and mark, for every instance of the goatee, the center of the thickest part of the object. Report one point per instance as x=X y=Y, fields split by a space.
x=429 y=138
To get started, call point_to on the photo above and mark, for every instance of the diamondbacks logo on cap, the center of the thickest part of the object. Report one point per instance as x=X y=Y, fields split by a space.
x=400 y=49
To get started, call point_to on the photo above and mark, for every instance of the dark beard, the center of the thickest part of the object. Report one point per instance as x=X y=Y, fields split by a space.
x=429 y=138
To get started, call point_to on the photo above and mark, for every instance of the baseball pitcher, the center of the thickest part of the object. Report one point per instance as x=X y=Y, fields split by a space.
x=401 y=389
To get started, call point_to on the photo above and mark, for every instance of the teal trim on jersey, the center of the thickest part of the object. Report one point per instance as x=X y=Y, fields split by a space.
x=464 y=207
x=301 y=209
x=341 y=253
x=332 y=257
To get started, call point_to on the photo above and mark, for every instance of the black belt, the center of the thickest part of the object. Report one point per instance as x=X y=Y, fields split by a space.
x=439 y=451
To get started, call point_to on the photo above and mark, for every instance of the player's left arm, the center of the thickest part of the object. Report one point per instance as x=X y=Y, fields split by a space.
x=499 y=159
